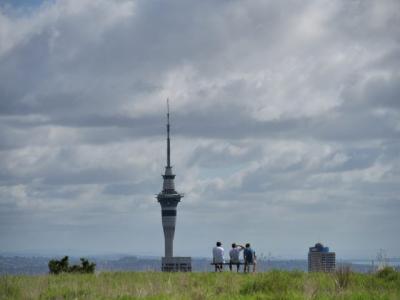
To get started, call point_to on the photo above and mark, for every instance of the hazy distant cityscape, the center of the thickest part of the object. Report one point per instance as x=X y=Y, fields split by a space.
x=12 y=265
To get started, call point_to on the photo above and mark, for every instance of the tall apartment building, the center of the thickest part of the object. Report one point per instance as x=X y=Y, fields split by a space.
x=320 y=259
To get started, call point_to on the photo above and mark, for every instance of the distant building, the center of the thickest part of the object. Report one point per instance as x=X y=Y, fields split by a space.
x=176 y=264
x=320 y=259
x=169 y=199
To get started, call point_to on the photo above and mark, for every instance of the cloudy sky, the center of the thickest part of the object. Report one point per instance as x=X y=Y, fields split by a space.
x=285 y=125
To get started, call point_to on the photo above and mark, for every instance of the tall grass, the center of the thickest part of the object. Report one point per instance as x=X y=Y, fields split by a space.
x=342 y=276
x=154 y=285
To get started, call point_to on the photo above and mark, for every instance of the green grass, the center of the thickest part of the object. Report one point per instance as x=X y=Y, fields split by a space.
x=154 y=285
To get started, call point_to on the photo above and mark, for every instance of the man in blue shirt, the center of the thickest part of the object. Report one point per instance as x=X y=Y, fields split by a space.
x=249 y=256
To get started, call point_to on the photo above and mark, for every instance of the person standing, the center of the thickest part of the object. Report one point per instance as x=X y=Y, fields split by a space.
x=249 y=258
x=234 y=256
x=218 y=257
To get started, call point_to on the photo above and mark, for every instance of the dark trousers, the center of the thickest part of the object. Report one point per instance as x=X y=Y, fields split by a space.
x=231 y=263
x=218 y=267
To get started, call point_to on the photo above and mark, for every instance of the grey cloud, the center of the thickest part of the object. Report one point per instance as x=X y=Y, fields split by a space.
x=384 y=92
x=129 y=188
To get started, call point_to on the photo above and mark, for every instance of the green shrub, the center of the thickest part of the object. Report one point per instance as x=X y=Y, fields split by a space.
x=59 y=266
x=388 y=273
x=62 y=266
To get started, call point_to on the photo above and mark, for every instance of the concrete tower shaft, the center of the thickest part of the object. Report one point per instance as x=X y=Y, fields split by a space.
x=168 y=223
x=168 y=203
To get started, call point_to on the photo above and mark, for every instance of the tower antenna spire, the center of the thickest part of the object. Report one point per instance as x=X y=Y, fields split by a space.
x=168 y=140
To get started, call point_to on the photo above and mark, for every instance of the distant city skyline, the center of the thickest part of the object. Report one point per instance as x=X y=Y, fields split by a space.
x=286 y=125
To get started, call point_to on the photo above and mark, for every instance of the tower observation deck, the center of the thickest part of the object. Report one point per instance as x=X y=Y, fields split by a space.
x=169 y=199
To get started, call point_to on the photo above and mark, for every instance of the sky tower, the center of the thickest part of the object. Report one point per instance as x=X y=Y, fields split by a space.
x=169 y=199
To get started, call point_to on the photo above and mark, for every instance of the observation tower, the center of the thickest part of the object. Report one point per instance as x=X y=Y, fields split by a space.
x=169 y=199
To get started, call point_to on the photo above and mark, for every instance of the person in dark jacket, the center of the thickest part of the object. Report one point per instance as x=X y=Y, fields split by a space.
x=249 y=256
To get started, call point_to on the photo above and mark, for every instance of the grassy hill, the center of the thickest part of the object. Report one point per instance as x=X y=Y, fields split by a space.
x=154 y=285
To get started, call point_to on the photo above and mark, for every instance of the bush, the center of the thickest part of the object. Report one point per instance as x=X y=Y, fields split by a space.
x=388 y=273
x=59 y=266
x=62 y=266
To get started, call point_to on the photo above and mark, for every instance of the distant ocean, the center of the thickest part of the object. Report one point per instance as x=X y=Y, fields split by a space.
x=393 y=263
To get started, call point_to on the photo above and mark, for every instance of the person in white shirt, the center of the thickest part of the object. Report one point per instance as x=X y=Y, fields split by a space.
x=218 y=257
x=234 y=256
